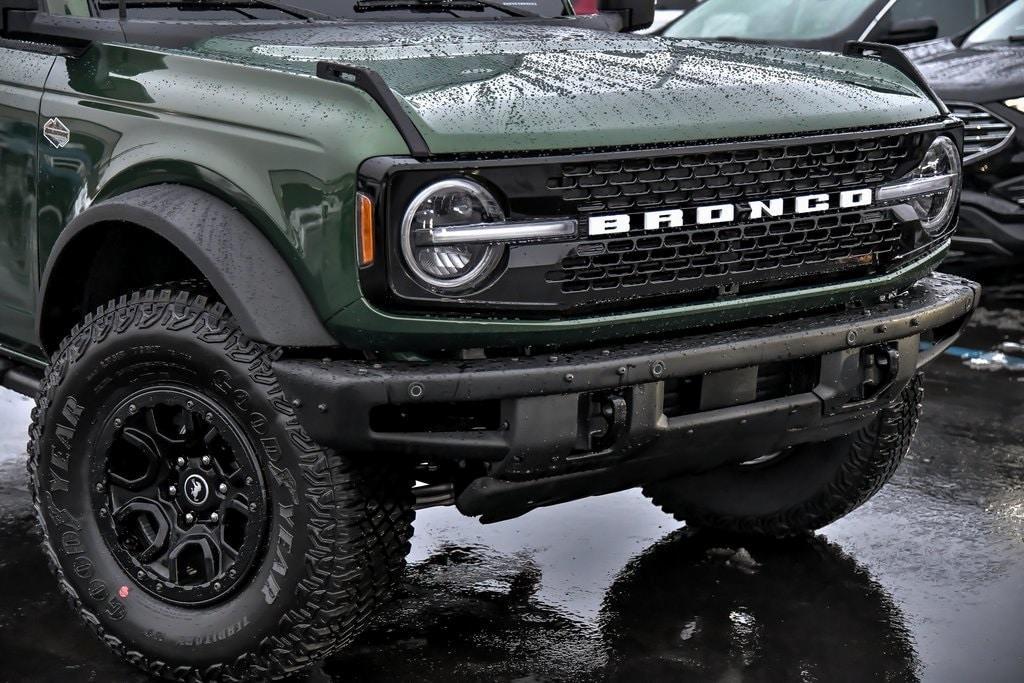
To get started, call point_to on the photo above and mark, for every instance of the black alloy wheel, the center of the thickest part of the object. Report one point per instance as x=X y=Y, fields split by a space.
x=180 y=495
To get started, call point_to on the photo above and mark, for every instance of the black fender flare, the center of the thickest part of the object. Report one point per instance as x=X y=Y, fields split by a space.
x=247 y=272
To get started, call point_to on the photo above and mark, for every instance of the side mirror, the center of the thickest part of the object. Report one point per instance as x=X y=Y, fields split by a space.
x=911 y=31
x=21 y=5
x=635 y=14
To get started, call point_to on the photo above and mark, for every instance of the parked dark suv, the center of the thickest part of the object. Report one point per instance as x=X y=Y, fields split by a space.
x=829 y=25
x=981 y=76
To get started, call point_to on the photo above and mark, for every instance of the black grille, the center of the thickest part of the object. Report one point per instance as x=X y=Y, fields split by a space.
x=648 y=182
x=708 y=262
x=983 y=130
x=731 y=259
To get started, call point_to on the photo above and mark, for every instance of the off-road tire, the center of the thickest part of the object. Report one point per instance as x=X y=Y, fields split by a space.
x=811 y=486
x=316 y=584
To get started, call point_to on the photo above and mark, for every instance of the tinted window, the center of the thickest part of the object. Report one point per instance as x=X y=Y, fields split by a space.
x=1006 y=24
x=768 y=19
x=953 y=16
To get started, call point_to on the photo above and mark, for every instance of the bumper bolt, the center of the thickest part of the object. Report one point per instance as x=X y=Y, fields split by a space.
x=172 y=490
x=181 y=462
x=881 y=329
x=570 y=378
x=851 y=337
x=322 y=407
x=415 y=390
x=621 y=371
x=552 y=359
x=657 y=369
x=206 y=460
x=914 y=322
x=100 y=488
x=252 y=507
x=223 y=488
x=214 y=517
x=189 y=518
x=248 y=481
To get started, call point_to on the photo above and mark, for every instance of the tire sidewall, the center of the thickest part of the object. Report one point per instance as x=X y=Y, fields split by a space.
x=88 y=377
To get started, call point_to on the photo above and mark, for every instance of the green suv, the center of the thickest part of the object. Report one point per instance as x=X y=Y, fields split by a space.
x=281 y=274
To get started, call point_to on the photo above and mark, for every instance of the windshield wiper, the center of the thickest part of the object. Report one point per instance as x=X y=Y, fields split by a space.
x=214 y=5
x=438 y=6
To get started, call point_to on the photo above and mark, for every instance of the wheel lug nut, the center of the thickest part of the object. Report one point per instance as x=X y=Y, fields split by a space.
x=132 y=409
x=216 y=586
x=189 y=518
x=248 y=481
x=209 y=417
x=252 y=507
x=190 y=404
x=118 y=422
x=232 y=573
x=206 y=460
x=214 y=517
x=140 y=574
x=223 y=488
x=173 y=490
x=181 y=462
x=99 y=488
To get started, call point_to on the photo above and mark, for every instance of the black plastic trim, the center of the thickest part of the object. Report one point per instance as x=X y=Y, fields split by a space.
x=372 y=84
x=241 y=264
x=334 y=398
x=896 y=58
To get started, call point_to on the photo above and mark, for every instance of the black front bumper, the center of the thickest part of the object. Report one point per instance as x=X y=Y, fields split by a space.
x=554 y=428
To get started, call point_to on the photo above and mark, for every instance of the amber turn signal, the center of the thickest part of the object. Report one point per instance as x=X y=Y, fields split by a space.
x=364 y=222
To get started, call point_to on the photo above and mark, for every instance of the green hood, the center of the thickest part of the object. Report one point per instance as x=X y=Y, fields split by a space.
x=509 y=86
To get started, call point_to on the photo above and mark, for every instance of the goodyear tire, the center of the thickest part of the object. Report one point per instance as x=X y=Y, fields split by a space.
x=802 y=489
x=186 y=514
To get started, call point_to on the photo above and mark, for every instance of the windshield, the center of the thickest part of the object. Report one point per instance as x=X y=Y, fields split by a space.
x=768 y=19
x=1003 y=25
x=288 y=10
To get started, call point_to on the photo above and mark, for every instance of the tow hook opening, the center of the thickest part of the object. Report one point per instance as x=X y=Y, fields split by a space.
x=881 y=366
x=603 y=417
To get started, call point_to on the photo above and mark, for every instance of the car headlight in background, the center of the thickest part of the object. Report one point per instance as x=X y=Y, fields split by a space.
x=1017 y=104
x=932 y=188
x=454 y=235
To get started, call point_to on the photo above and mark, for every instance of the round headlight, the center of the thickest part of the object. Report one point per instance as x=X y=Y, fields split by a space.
x=941 y=160
x=450 y=203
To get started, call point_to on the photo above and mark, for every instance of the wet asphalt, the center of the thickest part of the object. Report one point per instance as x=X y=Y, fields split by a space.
x=925 y=582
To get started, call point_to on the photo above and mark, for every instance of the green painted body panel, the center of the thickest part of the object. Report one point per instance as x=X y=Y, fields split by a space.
x=282 y=149
x=244 y=117
x=474 y=87
x=22 y=77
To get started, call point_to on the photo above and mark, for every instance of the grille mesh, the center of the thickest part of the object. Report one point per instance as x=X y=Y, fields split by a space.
x=983 y=130
x=643 y=183
x=727 y=257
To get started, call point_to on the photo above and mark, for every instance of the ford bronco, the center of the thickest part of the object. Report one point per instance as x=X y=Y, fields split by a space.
x=278 y=274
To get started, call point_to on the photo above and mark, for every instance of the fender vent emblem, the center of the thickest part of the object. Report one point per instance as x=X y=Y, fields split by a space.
x=57 y=133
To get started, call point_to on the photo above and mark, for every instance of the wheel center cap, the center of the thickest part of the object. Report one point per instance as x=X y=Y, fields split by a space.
x=196 y=490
